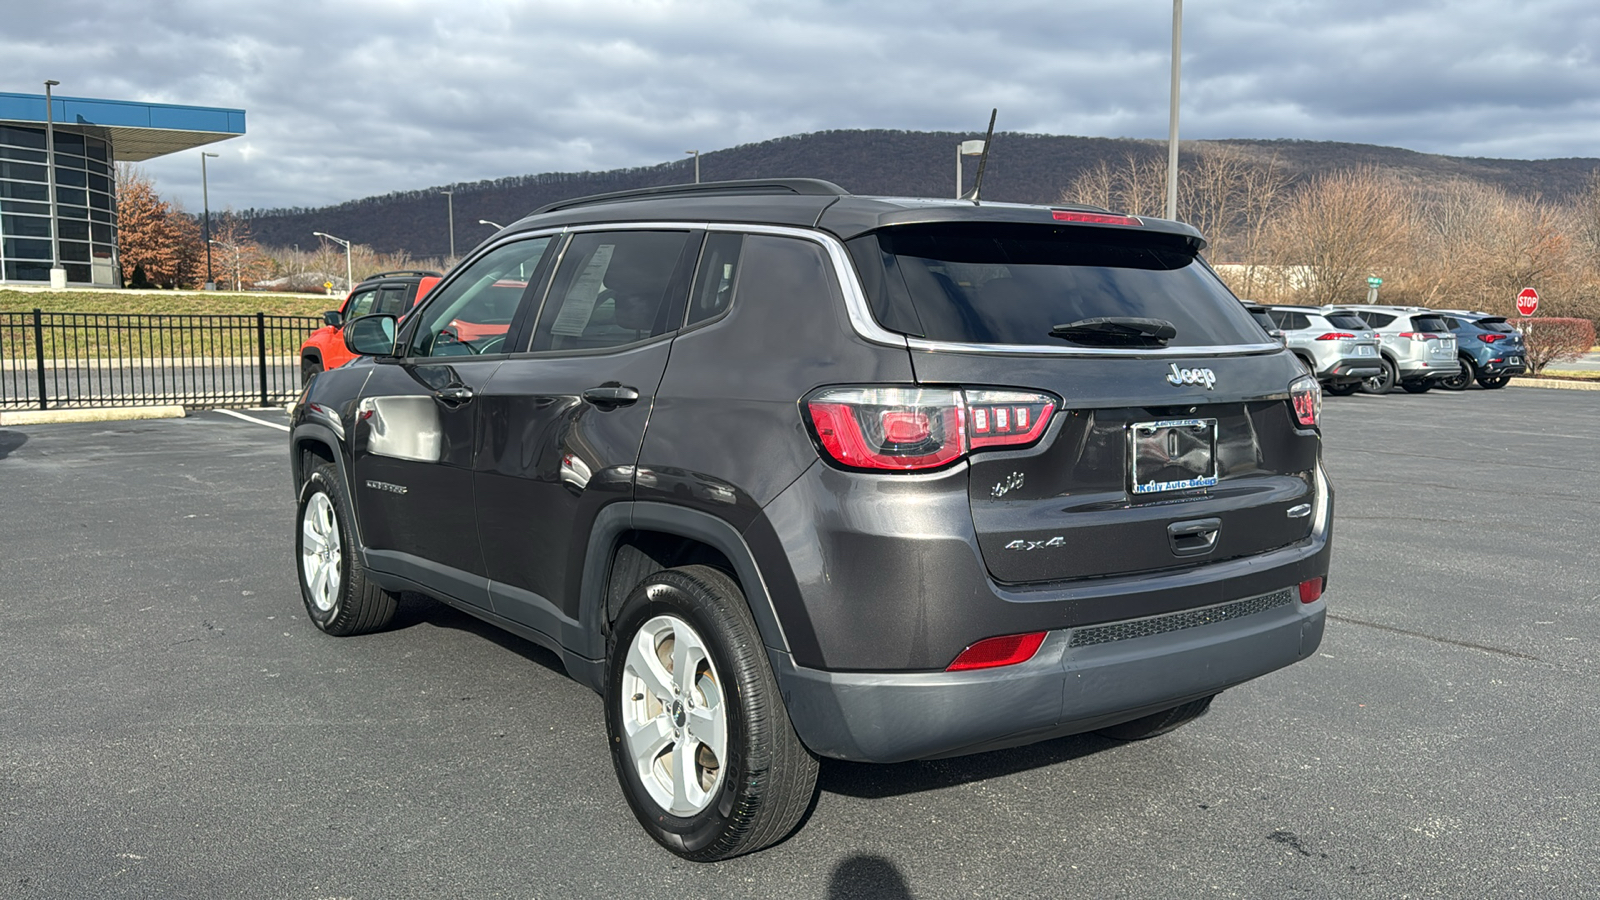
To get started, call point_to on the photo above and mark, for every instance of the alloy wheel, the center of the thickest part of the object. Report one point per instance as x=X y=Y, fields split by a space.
x=674 y=721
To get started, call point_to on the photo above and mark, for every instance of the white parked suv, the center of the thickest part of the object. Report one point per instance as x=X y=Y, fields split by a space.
x=1339 y=347
x=1418 y=349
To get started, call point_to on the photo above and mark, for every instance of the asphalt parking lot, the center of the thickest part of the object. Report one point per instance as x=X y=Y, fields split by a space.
x=172 y=726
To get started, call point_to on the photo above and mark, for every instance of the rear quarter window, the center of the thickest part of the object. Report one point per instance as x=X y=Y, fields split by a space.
x=995 y=283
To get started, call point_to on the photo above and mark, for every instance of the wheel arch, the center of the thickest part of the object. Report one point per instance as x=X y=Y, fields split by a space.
x=311 y=440
x=632 y=540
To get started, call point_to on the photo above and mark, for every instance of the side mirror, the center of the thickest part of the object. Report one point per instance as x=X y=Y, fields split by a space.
x=371 y=336
x=333 y=317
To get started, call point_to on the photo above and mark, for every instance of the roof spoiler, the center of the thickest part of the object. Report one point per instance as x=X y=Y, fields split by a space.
x=799 y=186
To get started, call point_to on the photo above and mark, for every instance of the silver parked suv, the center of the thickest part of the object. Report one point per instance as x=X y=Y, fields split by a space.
x=1418 y=350
x=1339 y=348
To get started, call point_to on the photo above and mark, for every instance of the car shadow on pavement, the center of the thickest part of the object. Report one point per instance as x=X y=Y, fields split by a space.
x=417 y=609
x=11 y=440
x=875 y=781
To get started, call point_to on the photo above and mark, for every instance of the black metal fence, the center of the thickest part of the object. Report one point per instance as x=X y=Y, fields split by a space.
x=66 y=360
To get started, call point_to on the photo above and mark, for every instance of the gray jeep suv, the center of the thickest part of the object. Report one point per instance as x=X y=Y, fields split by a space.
x=786 y=473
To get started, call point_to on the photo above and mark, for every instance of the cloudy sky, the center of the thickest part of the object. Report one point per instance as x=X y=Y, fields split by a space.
x=349 y=98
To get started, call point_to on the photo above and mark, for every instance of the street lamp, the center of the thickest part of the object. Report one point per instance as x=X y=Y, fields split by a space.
x=450 y=203
x=349 y=275
x=58 y=275
x=965 y=148
x=238 y=278
x=205 y=200
x=1172 y=129
x=696 y=155
x=495 y=225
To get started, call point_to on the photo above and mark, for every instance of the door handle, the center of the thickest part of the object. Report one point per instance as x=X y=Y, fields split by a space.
x=456 y=393
x=611 y=395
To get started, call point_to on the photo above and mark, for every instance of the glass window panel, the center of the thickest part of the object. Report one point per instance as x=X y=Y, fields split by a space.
x=79 y=272
x=359 y=305
x=21 y=190
x=32 y=138
x=67 y=142
x=99 y=200
x=23 y=248
x=472 y=313
x=713 y=283
x=94 y=148
x=611 y=290
x=74 y=231
x=67 y=161
x=71 y=212
x=19 y=153
x=104 y=251
x=21 y=171
x=72 y=196
x=71 y=178
x=99 y=183
x=17 y=206
x=25 y=226
x=74 y=251
x=103 y=234
x=27 y=271
x=100 y=215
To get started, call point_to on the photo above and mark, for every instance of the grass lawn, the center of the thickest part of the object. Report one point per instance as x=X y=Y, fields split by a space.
x=193 y=303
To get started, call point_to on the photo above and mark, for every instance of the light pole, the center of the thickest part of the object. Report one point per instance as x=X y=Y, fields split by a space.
x=495 y=225
x=238 y=277
x=58 y=275
x=696 y=155
x=205 y=200
x=349 y=275
x=1172 y=130
x=450 y=205
x=965 y=148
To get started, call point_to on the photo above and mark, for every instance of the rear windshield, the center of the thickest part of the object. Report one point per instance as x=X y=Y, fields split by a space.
x=1500 y=326
x=1347 y=321
x=1429 y=323
x=1010 y=284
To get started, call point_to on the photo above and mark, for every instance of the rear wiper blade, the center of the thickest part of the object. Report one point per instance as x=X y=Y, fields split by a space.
x=1117 y=331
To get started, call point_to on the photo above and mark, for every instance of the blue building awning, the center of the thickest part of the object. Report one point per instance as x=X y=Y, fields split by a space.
x=137 y=131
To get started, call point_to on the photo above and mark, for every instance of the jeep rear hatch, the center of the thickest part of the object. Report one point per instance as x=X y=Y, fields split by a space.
x=1174 y=442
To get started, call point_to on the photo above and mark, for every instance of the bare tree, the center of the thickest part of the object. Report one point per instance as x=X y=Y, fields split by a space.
x=1135 y=186
x=1338 y=230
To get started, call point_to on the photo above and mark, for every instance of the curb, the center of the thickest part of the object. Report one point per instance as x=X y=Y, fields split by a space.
x=103 y=414
x=1553 y=383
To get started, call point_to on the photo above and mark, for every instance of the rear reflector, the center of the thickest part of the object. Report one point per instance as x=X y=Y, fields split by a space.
x=1062 y=215
x=999 y=651
x=1311 y=590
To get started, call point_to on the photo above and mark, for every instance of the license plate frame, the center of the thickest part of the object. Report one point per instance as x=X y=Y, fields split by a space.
x=1172 y=455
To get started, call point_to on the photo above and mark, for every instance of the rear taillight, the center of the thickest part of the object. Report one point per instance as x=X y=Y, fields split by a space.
x=909 y=429
x=1337 y=336
x=998 y=651
x=1305 y=394
x=1491 y=338
x=1419 y=335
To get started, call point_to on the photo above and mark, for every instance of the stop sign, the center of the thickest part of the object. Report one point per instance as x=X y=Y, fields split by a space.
x=1528 y=301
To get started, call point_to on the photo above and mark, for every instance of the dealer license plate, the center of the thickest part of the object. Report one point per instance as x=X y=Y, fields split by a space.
x=1514 y=360
x=1173 y=454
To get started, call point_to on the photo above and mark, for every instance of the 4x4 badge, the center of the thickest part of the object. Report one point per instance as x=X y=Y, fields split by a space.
x=1180 y=377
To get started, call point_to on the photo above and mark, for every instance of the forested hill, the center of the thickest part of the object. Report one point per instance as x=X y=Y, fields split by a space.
x=1028 y=168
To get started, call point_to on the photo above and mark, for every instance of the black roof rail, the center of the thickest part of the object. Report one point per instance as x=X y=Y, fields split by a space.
x=425 y=272
x=814 y=187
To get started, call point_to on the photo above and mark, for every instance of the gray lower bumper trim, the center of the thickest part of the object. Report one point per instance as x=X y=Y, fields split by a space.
x=897 y=716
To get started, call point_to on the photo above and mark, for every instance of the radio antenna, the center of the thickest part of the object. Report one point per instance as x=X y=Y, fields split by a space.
x=983 y=161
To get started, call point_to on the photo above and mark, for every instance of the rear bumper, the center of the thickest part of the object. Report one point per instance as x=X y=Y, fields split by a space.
x=1430 y=369
x=1352 y=368
x=1065 y=689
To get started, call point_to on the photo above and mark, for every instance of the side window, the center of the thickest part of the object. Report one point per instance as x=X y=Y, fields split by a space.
x=391 y=300
x=1294 y=321
x=713 y=282
x=1377 y=319
x=472 y=314
x=360 y=305
x=1278 y=317
x=612 y=289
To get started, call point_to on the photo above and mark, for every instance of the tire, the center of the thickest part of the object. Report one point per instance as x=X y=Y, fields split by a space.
x=1492 y=382
x=1343 y=388
x=1417 y=387
x=752 y=782
x=309 y=368
x=1462 y=379
x=1160 y=723
x=1383 y=382
x=333 y=582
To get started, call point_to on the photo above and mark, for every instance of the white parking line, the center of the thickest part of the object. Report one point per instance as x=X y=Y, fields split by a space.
x=239 y=415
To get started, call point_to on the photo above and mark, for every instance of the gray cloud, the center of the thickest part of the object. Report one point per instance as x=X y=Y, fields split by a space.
x=350 y=99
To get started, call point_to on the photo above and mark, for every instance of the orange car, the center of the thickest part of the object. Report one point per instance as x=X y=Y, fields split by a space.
x=391 y=293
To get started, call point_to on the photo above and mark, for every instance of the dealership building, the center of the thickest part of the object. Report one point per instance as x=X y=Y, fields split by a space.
x=62 y=213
